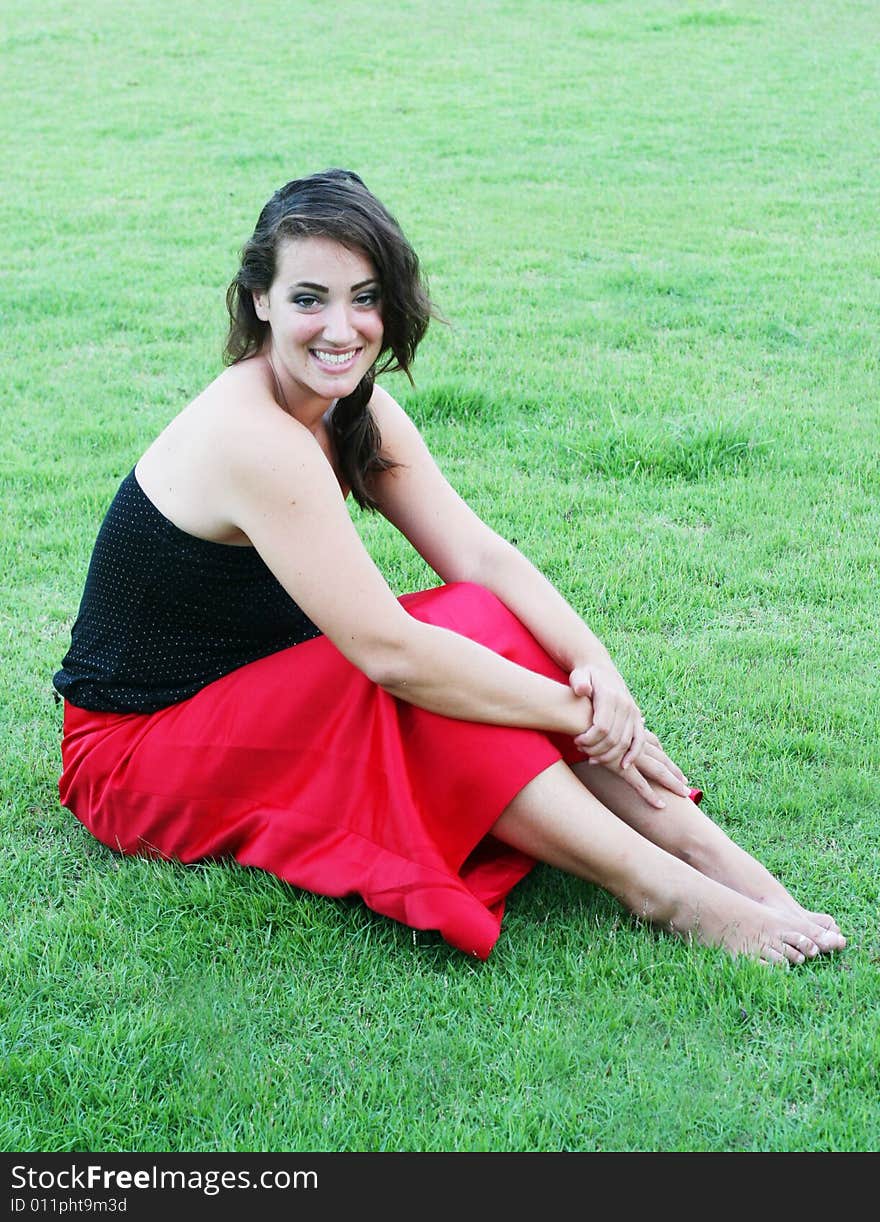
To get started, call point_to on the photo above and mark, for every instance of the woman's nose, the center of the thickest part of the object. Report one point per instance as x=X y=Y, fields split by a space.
x=338 y=327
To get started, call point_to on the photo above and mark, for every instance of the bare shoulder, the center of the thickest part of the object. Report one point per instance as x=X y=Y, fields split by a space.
x=401 y=439
x=260 y=451
x=236 y=406
x=247 y=414
x=231 y=440
x=387 y=410
x=239 y=408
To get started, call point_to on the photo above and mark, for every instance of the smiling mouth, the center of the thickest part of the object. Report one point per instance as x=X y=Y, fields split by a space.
x=333 y=359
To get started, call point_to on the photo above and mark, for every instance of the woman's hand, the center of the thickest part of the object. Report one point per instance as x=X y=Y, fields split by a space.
x=655 y=764
x=653 y=767
x=617 y=734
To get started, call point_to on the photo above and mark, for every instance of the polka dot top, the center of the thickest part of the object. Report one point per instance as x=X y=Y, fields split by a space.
x=164 y=613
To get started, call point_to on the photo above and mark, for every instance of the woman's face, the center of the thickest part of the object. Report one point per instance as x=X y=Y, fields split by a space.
x=324 y=312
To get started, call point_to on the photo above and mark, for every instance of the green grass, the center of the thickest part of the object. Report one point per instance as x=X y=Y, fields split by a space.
x=652 y=227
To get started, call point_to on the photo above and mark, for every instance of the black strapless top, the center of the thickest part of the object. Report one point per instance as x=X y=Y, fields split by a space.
x=164 y=613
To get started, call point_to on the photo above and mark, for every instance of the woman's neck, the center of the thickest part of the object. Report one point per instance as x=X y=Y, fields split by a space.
x=309 y=410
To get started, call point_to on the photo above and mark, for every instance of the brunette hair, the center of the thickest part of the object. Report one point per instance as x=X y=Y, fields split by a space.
x=336 y=204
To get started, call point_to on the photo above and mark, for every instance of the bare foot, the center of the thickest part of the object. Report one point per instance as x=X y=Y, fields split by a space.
x=684 y=830
x=759 y=884
x=830 y=939
x=729 y=864
x=719 y=916
x=732 y=866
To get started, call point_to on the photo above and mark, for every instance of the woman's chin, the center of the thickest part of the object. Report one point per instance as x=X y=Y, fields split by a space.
x=337 y=383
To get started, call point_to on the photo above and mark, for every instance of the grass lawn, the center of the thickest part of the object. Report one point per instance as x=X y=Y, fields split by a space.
x=652 y=227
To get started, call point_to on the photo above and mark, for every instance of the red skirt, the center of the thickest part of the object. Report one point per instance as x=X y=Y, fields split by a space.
x=300 y=765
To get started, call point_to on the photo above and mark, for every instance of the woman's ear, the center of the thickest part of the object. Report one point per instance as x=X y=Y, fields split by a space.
x=261 y=306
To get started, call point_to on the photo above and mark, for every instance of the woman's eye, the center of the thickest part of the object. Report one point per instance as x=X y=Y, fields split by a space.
x=367 y=299
x=305 y=301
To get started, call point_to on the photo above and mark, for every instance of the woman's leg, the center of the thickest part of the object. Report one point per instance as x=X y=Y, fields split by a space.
x=556 y=819
x=685 y=831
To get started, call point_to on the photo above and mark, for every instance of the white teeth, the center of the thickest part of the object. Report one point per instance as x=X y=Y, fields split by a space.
x=334 y=358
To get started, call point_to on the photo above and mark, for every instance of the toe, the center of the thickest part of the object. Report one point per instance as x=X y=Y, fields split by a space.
x=824 y=921
x=807 y=946
x=830 y=939
x=792 y=954
x=771 y=957
x=801 y=943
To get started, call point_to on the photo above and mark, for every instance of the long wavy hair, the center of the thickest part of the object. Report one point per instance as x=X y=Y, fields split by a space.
x=336 y=204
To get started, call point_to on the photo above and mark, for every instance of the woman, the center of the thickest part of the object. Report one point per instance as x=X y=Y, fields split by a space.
x=242 y=682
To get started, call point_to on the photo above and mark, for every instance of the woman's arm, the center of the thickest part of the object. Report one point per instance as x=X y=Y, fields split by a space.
x=420 y=502
x=279 y=489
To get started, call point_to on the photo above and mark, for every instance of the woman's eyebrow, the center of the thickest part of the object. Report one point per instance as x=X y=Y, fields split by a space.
x=322 y=288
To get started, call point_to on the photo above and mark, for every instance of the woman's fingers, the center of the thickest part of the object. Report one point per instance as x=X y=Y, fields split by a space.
x=616 y=753
x=660 y=773
x=609 y=736
x=652 y=743
x=618 y=738
x=637 y=744
x=619 y=744
x=601 y=734
x=609 y=756
x=616 y=720
x=633 y=777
